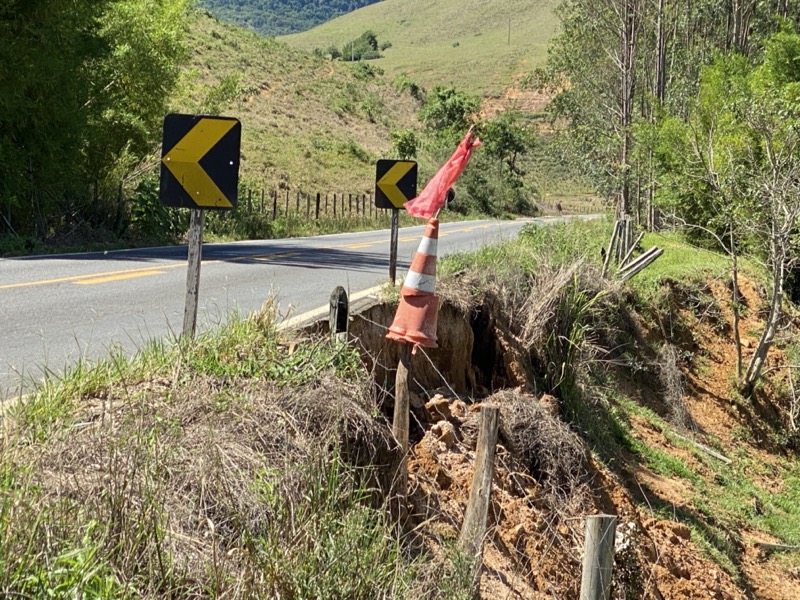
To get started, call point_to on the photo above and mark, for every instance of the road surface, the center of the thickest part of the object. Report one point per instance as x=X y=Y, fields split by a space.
x=57 y=310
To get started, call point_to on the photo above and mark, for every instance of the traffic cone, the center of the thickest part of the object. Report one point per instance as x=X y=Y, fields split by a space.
x=415 y=320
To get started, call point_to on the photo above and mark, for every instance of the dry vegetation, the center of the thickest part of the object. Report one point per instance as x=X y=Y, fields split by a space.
x=250 y=465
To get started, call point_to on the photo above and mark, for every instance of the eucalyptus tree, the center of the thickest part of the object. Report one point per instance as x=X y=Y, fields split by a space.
x=733 y=167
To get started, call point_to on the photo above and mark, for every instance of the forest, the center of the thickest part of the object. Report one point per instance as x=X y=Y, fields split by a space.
x=690 y=111
x=85 y=90
x=279 y=17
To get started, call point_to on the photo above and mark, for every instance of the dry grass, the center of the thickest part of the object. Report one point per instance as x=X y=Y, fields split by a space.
x=201 y=486
x=548 y=448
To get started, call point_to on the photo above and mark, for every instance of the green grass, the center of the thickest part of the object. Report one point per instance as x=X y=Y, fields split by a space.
x=306 y=122
x=447 y=43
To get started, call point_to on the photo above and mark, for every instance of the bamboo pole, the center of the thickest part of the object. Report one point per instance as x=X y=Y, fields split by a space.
x=641 y=267
x=610 y=250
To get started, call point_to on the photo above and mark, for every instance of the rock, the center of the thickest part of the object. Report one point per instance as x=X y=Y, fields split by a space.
x=438 y=408
x=550 y=404
x=445 y=433
x=458 y=409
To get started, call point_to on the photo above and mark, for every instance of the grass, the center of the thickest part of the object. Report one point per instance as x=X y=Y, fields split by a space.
x=447 y=43
x=306 y=123
x=241 y=465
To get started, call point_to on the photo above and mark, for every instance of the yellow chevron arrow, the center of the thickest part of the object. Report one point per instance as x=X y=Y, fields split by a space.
x=183 y=161
x=388 y=183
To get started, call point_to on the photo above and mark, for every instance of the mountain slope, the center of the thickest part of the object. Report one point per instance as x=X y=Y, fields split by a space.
x=474 y=45
x=307 y=123
x=277 y=17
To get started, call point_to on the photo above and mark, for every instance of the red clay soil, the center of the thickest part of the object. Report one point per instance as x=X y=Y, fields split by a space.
x=534 y=546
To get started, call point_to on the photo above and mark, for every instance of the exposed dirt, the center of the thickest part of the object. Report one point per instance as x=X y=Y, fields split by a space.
x=535 y=540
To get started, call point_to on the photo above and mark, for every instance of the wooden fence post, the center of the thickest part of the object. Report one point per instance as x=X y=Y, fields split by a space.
x=334 y=206
x=326 y=203
x=598 y=557
x=474 y=528
x=286 y=210
x=262 y=200
x=297 y=204
x=350 y=203
x=308 y=205
x=402 y=401
x=316 y=211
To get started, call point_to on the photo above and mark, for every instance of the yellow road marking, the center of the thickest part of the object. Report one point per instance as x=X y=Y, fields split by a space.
x=76 y=278
x=119 y=277
x=268 y=257
x=110 y=276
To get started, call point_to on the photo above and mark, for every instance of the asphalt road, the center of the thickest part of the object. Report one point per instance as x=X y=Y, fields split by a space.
x=57 y=310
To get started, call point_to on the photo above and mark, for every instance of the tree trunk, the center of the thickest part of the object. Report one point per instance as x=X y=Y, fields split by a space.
x=736 y=336
x=768 y=335
x=628 y=66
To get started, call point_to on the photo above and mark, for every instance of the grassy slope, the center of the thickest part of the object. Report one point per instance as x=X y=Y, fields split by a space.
x=307 y=122
x=448 y=42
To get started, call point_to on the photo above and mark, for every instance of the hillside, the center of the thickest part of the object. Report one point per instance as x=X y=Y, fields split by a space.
x=464 y=44
x=277 y=17
x=259 y=463
x=306 y=122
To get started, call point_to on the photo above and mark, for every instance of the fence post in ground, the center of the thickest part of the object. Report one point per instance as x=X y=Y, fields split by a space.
x=334 y=206
x=262 y=200
x=316 y=211
x=286 y=208
x=297 y=204
x=326 y=203
x=402 y=402
x=350 y=203
x=274 y=204
x=598 y=557
x=474 y=528
x=308 y=205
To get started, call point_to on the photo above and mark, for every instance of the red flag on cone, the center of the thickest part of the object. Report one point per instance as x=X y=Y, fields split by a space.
x=416 y=317
x=432 y=198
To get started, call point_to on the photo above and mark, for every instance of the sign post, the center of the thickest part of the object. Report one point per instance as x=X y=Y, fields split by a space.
x=395 y=184
x=199 y=171
x=193 y=273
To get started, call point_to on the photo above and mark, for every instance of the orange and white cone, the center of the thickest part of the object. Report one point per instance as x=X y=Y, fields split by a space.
x=416 y=317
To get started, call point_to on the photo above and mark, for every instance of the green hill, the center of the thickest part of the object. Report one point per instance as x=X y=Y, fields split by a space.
x=307 y=123
x=476 y=46
x=276 y=17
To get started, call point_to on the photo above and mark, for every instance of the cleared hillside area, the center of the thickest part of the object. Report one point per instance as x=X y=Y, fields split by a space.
x=465 y=44
x=307 y=123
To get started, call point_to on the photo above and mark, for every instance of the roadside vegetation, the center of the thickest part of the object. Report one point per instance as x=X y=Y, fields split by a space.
x=256 y=463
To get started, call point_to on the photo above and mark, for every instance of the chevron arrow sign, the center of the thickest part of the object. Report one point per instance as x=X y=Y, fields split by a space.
x=200 y=162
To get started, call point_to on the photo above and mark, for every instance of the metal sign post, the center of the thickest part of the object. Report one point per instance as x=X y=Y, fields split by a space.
x=395 y=184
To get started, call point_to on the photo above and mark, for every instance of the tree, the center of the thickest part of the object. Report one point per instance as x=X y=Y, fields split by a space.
x=506 y=140
x=448 y=111
x=735 y=165
x=85 y=84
